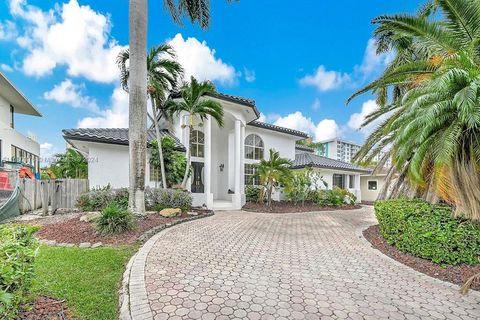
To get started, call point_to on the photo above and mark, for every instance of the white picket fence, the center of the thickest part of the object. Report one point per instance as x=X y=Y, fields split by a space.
x=59 y=193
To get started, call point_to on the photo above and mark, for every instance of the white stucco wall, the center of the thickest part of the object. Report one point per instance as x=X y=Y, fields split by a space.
x=283 y=143
x=108 y=164
x=11 y=137
x=371 y=195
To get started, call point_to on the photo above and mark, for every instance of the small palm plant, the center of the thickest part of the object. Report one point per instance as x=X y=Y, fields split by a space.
x=198 y=107
x=273 y=173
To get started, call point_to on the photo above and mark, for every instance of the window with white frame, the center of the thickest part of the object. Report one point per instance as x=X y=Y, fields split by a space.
x=351 y=181
x=197 y=144
x=339 y=180
x=254 y=147
x=251 y=175
x=372 y=185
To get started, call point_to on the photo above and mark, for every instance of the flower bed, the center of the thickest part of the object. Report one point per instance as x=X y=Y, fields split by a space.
x=289 y=207
x=455 y=274
x=74 y=231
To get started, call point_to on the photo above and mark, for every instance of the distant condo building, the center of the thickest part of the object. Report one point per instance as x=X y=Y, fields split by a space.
x=338 y=149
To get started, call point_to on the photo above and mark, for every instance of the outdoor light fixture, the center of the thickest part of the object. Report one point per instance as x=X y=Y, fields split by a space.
x=222 y=166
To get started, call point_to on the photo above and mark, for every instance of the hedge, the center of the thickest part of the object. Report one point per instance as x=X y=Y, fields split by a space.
x=17 y=254
x=428 y=231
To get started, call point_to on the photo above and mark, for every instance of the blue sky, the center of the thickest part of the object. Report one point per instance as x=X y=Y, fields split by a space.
x=299 y=60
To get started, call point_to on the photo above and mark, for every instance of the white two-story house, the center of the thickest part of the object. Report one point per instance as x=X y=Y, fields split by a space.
x=223 y=158
x=14 y=146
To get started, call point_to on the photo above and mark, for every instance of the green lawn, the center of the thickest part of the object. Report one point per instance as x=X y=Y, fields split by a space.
x=88 y=279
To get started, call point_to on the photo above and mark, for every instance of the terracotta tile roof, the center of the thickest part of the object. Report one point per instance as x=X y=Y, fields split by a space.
x=273 y=127
x=303 y=160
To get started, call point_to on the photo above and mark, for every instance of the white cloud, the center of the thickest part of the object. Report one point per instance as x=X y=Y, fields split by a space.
x=269 y=118
x=6 y=67
x=356 y=120
x=372 y=63
x=249 y=75
x=115 y=116
x=8 y=31
x=72 y=35
x=47 y=151
x=316 y=104
x=325 y=80
x=199 y=61
x=69 y=93
x=324 y=129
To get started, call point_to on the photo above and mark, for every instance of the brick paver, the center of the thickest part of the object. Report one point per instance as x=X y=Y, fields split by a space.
x=239 y=265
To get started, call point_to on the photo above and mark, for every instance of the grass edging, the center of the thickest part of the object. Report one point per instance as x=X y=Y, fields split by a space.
x=124 y=305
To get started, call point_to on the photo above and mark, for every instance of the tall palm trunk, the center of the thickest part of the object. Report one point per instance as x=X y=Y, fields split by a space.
x=187 y=167
x=159 y=144
x=137 y=104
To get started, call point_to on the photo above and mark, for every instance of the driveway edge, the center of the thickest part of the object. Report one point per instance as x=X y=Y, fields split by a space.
x=133 y=299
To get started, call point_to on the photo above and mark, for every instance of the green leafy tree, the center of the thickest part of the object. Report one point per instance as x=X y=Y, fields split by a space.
x=196 y=11
x=175 y=161
x=274 y=172
x=431 y=124
x=71 y=164
x=163 y=75
x=197 y=107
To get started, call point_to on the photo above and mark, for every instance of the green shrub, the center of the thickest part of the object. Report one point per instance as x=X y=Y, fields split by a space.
x=159 y=199
x=115 y=219
x=252 y=193
x=17 y=253
x=99 y=199
x=428 y=231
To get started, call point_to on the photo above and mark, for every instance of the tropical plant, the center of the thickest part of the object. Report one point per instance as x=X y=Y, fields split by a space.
x=198 y=108
x=431 y=123
x=175 y=161
x=71 y=164
x=163 y=75
x=196 y=11
x=98 y=199
x=252 y=193
x=114 y=220
x=159 y=199
x=274 y=172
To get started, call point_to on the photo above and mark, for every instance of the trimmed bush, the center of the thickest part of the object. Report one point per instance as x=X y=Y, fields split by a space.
x=17 y=254
x=159 y=199
x=252 y=193
x=115 y=220
x=99 y=199
x=428 y=231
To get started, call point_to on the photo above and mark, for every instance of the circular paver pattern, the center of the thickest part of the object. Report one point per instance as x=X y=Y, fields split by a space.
x=238 y=265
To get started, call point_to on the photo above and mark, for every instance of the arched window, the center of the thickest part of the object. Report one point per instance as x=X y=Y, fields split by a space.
x=254 y=147
x=197 y=144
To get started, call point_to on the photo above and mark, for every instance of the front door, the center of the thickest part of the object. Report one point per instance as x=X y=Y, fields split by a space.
x=197 y=181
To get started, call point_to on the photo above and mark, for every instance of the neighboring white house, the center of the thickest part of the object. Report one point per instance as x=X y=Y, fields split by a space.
x=223 y=159
x=14 y=146
x=335 y=173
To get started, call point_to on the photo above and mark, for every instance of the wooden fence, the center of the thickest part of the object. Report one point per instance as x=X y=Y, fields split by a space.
x=60 y=193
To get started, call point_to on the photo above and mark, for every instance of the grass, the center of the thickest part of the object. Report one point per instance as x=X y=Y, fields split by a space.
x=88 y=279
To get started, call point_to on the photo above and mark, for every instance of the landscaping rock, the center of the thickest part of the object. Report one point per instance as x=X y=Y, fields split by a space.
x=96 y=245
x=85 y=245
x=90 y=216
x=170 y=212
x=192 y=213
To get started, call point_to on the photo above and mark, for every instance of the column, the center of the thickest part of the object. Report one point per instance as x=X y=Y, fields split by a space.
x=207 y=174
x=242 y=165
x=238 y=155
x=186 y=142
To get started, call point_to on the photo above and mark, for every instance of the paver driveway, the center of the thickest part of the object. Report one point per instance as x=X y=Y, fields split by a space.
x=294 y=266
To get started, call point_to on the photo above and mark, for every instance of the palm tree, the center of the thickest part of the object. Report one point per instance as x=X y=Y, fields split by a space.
x=196 y=11
x=196 y=106
x=70 y=164
x=432 y=124
x=163 y=75
x=273 y=172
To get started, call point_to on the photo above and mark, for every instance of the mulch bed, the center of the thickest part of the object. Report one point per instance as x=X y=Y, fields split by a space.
x=288 y=207
x=75 y=231
x=45 y=308
x=458 y=274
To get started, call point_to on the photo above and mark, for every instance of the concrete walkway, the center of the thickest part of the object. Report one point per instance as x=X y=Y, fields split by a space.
x=239 y=265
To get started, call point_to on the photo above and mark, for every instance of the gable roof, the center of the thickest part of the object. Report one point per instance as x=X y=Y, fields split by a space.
x=19 y=102
x=303 y=160
x=117 y=136
x=273 y=127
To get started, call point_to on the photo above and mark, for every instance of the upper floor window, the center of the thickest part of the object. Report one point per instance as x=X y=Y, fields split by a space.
x=12 y=118
x=254 y=147
x=197 y=144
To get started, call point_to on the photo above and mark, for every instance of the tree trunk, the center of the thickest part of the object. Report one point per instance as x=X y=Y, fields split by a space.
x=187 y=168
x=137 y=104
x=159 y=143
